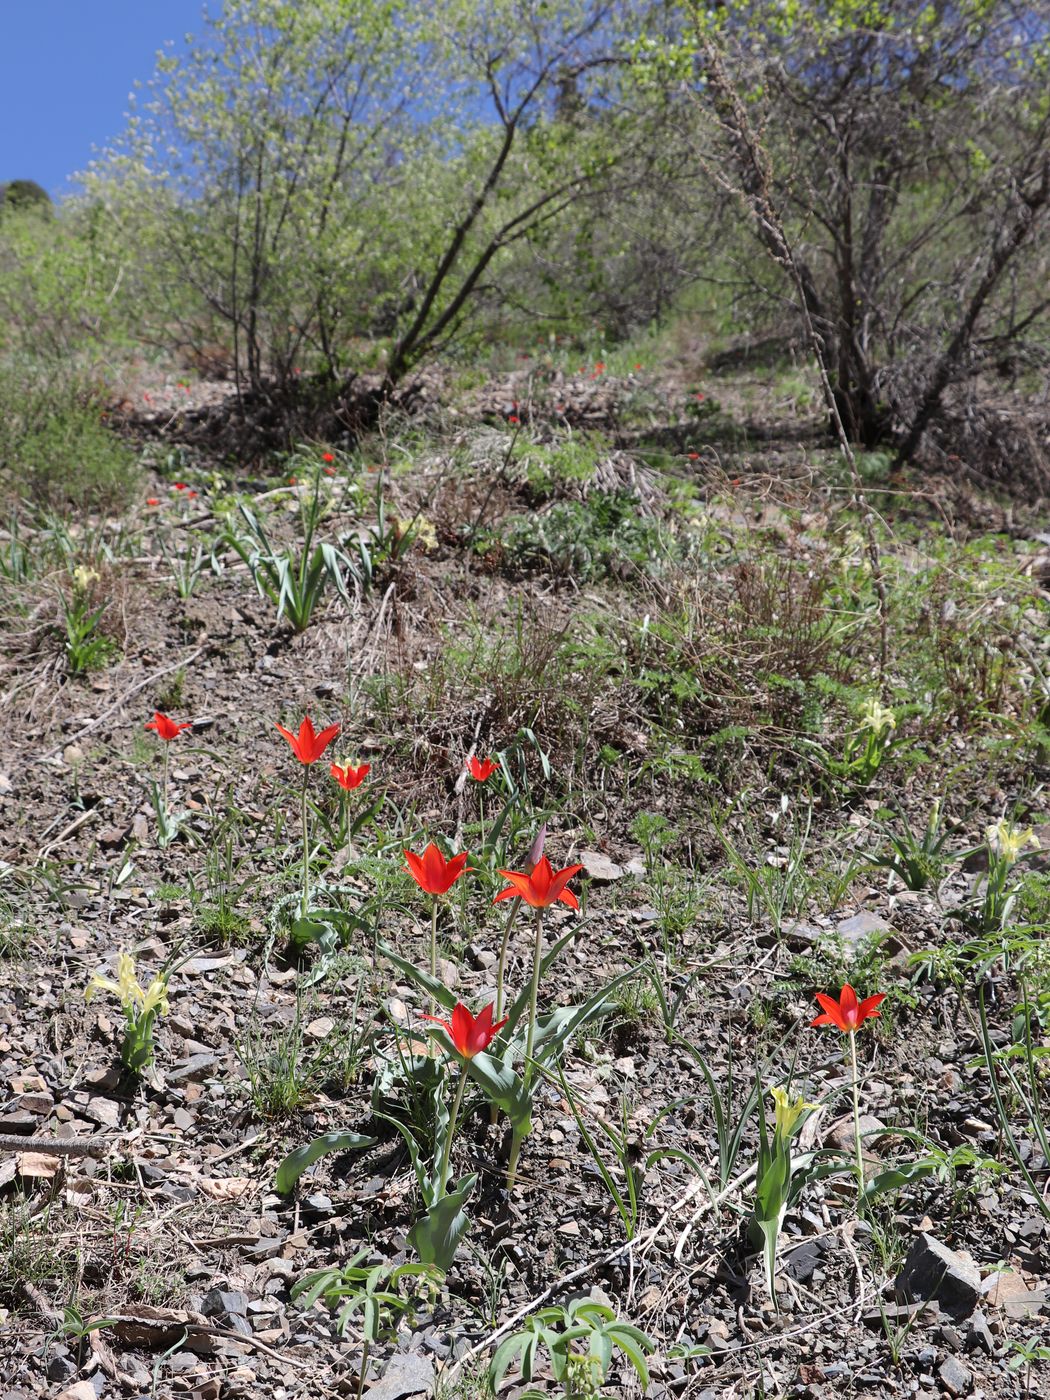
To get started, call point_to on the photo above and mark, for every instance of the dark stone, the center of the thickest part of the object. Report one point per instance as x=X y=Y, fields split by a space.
x=955 y=1377
x=932 y=1270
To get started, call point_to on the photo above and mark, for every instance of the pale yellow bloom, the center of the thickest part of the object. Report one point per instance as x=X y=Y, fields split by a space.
x=426 y=534
x=1008 y=841
x=877 y=717
x=83 y=576
x=789 y=1109
x=133 y=999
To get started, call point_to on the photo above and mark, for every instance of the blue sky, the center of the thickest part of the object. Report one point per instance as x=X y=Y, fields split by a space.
x=66 y=68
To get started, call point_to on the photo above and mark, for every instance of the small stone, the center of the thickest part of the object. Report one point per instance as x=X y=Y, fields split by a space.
x=1010 y=1293
x=320 y=1029
x=599 y=868
x=802 y=1262
x=955 y=1377
x=196 y=1067
x=979 y=1335
x=859 y=930
x=219 y=1302
x=81 y=1390
x=402 y=1377
x=932 y=1270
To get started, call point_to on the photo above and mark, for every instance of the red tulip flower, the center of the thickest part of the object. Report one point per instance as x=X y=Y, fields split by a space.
x=482 y=769
x=433 y=873
x=152 y=501
x=847 y=1013
x=180 y=486
x=348 y=777
x=543 y=887
x=327 y=457
x=167 y=729
x=306 y=745
x=470 y=1034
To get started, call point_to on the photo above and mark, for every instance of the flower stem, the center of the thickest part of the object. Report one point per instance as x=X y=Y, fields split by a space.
x=534 y=994
x=446 y=1160
x=856 y=1113
x=433 y=946
x=501 y=966
x=512 y=1163
x=306 y=850
x=167 y=751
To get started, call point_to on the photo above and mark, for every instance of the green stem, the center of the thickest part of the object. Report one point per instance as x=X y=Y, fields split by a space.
x=501 y=966
x=433 y=945
x=534 y=994
x=446 y=1160
x=364 y=1366
x=856 y=1113
x=167 y=751
x=512 y=1163
x=306 y=849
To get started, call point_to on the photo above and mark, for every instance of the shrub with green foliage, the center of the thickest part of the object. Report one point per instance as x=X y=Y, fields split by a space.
x=54 y=448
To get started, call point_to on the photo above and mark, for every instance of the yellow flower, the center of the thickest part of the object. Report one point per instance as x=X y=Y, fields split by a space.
x=133 y=999
x=877 y=717
x=83 y=576
x=1007 y=841
x=789 y=1109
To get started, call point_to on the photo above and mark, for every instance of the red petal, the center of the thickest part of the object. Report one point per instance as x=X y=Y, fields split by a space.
x=832 y=1010
x=567 y=897
x=868 y=1006
x=416 y=869
x=520 y=885
x=293 y=739
x=321 y=741
x=462 y=1029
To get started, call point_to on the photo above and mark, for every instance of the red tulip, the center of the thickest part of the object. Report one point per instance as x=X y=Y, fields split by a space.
x=350 y=778
x=846 y=1013
x=180 y=486
x=327 y=457
x=543 y=887
x=152 y=501
x=433 y=873
x=468 y=1033
x=306 y=745
x=167 y=729
x=481 y=769
x=513 y=419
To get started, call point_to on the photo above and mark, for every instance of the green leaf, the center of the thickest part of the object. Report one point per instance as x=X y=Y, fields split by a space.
x=502 y=1087
x=293 y=1166
x=897 y=1177
x=435 y=1236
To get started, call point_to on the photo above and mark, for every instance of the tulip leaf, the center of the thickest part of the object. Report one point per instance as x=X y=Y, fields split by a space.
x=430 y=985
x=553 y=1032
x=435 y=1236
x=502 y=1087
x=305 y=931
x=293 y=1166
x=897 y=1177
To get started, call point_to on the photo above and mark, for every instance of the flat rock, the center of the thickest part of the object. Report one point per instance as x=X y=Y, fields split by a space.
x=955 y=1377
x=932 y=1270
x=1008 y=1292
x=404 y=1376
x=599 y=868
x=856 y=931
